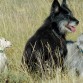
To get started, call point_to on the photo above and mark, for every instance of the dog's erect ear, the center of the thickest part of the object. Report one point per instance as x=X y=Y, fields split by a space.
x=65 y=7
x=64 y=4
x=55 y=7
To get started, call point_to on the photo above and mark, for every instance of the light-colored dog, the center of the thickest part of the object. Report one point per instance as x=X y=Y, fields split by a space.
x=3 y=59
x=74 y=59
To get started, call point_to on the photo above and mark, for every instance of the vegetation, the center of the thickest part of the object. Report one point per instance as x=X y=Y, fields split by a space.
x=19 y=19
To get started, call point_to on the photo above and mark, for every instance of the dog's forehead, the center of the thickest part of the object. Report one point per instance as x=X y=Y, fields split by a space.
x=66 y=11
x=2 y=40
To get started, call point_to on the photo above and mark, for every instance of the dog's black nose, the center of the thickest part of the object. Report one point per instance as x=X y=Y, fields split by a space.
x=77 y=22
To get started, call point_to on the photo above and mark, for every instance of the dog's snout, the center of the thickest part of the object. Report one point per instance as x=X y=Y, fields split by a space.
x=77 y=22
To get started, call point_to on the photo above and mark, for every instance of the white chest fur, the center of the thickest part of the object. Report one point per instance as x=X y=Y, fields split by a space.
x=3 y=62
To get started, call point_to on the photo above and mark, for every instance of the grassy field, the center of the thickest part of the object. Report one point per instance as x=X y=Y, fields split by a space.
x=19 y=19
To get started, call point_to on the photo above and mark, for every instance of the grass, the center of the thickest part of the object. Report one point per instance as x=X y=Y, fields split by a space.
x=19 y=19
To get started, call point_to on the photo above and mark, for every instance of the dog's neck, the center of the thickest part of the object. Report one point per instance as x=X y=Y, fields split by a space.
x=56 y=30
x=1 y=49
x=57 y=35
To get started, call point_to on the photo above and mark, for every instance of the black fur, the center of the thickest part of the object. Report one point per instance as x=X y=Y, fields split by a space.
x=48 y=37
x=70 y=42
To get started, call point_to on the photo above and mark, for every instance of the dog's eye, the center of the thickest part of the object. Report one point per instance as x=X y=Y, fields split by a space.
x=67 y=16
x=68 y=13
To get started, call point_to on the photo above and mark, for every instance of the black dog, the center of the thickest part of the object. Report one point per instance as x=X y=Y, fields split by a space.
x=42 y=46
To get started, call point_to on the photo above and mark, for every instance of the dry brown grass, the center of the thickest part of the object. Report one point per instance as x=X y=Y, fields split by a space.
x=19 y=19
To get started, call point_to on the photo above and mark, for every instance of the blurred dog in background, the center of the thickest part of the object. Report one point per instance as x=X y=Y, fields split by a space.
x=74 y=59
x=3 y=59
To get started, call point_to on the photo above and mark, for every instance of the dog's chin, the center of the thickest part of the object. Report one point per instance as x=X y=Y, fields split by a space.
x=8 y=46
x=70 y=28
x=65 y=29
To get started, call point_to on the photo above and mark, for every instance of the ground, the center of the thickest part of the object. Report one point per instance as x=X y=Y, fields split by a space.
x=19 y=19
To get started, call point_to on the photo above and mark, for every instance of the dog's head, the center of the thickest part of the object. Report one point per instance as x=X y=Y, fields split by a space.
x=4 y=43
x=63 y=16
x=80 y=42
